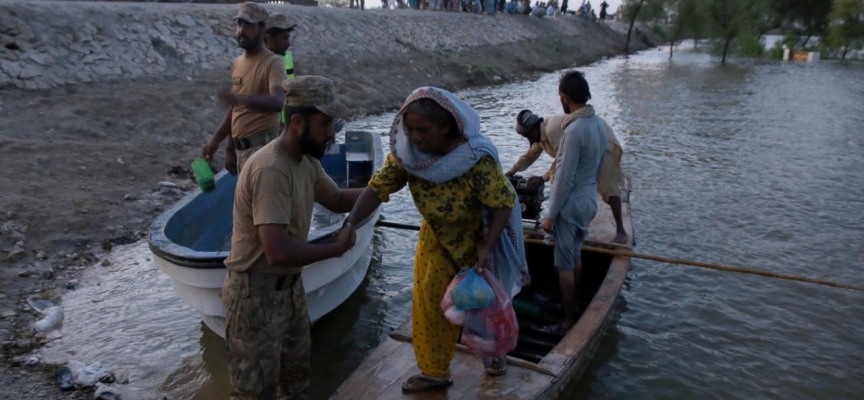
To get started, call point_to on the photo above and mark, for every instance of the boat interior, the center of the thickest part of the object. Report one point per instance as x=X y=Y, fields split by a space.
x=193 y=226
x=539 y=306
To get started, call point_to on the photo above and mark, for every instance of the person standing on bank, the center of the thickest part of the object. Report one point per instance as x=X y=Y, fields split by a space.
x=544 y=135
x=470 y=215
x=256 y=95
x=267 y=321
x=573 y=201
x=278 y=40
x=603 y=14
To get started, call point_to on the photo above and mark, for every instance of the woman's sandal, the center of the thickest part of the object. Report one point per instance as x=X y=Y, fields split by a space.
x=495 y=366
x=420 y=382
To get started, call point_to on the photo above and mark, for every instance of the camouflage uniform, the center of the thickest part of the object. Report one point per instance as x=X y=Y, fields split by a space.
x=267 y=337
x=268 y=322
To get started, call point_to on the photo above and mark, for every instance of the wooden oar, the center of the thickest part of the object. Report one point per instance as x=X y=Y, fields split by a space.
x=679 y=261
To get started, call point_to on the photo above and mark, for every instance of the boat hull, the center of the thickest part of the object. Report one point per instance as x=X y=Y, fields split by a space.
x=328 y=283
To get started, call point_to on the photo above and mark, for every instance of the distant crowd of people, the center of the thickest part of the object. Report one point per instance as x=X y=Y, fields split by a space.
x=540 y=9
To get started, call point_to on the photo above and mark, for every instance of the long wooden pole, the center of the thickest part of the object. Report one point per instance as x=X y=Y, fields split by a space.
x=626 y=251
x=386 y=224
x=699 y=264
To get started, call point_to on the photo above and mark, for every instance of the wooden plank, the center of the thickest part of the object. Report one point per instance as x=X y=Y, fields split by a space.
x=383 y=367
x=465 y=370
x=513 y=361
x=517 y=379
x=391 y=374
x=404 y=332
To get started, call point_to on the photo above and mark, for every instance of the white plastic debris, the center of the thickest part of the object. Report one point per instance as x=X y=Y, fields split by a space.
x=52 y=320
x=106 y=392
x=84 y=375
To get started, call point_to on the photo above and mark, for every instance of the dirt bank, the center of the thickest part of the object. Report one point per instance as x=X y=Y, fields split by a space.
x=100 y=102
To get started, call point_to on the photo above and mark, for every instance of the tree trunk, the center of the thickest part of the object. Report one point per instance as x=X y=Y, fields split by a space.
x=845 y=49
x=695 y=43
x=630 y=31
x=725 y=50
x=671 y=45
x=806 y=40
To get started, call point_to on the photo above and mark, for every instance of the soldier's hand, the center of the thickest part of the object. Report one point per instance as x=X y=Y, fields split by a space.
x=209 y=150
x=231 y=161
x=227 y=98
x=346 y=238
x=509 y=174
x=534 y=182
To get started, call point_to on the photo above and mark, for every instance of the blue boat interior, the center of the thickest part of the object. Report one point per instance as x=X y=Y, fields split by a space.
x=203 y=222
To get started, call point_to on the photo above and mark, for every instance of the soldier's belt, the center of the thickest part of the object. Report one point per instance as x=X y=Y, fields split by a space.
x=254 y=141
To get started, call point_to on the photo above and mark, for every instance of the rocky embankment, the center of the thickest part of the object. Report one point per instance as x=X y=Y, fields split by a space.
x=104 y=105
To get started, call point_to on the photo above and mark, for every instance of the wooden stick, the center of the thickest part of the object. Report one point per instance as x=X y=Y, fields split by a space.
x=513 y=361
x=385 y=224
x=713 y=266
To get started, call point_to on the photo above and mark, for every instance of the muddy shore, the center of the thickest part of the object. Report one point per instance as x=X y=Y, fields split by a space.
x=103 y=106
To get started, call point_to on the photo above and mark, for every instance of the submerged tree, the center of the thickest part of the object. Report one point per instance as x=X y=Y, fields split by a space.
x=847 y=25
x=684 y=21
x=631 y=11
x=806 y=18
x=733 y=19
x=653 y=11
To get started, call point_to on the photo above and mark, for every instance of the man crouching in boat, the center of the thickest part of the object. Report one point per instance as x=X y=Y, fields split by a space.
x=573 y=202
x=544 y=135
x=268 y=323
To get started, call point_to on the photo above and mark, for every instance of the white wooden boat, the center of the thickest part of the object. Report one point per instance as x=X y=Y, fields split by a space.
x=191 y=240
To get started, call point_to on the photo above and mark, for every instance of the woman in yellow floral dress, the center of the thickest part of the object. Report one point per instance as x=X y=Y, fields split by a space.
x=470 y=217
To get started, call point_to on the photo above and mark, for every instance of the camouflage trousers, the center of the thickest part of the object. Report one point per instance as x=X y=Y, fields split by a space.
x=267 y=336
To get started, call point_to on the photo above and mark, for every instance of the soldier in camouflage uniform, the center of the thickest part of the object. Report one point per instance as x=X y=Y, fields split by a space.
x=268 y=324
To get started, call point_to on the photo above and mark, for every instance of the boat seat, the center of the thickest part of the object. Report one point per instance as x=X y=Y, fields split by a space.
x=359 y=148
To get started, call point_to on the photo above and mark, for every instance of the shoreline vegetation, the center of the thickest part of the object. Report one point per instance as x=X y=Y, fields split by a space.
x=835 y=28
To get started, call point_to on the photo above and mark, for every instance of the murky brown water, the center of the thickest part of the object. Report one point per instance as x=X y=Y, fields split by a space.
x=756 y=164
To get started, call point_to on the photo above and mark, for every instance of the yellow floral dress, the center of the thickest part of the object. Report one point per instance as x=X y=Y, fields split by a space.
x=450 y=236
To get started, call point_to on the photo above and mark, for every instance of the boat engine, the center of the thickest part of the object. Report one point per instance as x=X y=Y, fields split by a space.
x=531 y=200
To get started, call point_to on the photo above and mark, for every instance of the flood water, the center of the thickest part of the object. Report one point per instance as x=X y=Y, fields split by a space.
x=755 y=164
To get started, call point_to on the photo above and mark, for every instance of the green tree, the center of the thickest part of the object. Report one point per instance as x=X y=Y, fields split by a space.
x=684 y=21
x=733 y=19
x=805 y=18
x=643 y=11
x=631 y=12
x=847 y=25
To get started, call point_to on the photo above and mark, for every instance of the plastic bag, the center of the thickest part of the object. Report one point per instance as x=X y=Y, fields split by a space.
x=453 y=315
x=472 y=291
x=492 y=332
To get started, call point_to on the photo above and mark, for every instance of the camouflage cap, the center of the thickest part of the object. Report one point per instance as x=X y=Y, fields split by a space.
x=279 y=21
x=314 y=91
x=251 y=13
